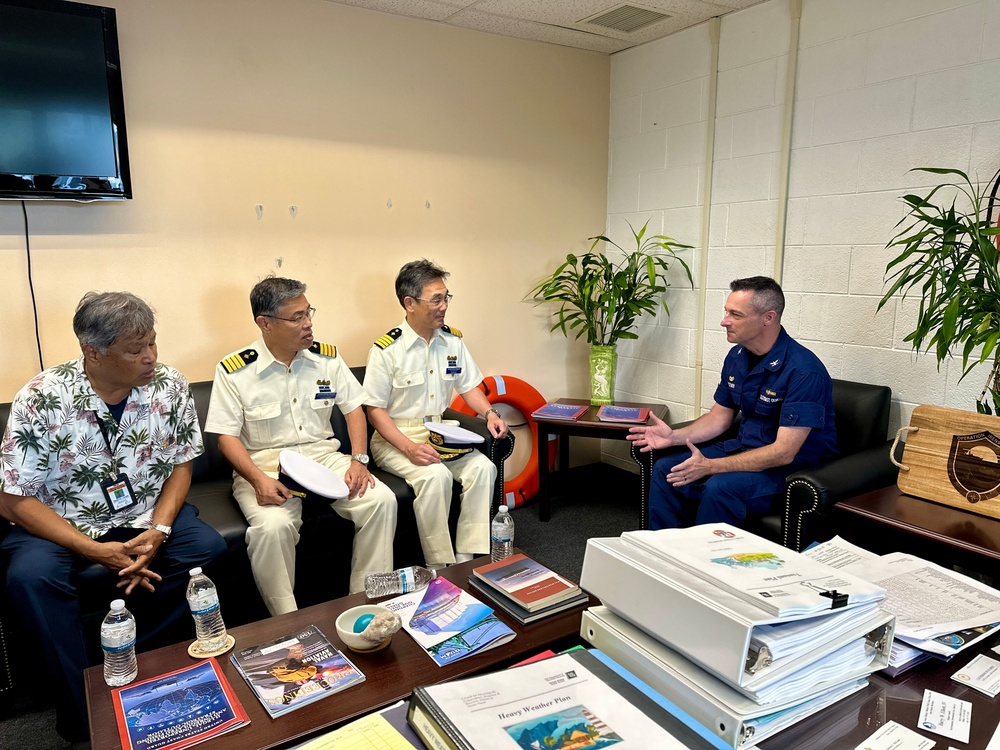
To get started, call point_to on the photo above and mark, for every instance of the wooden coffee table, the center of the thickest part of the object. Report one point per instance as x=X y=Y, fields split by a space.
x=587 y=425
x=390 y=674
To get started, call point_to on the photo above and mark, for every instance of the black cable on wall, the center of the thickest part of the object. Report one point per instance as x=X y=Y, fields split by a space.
x=31 y=284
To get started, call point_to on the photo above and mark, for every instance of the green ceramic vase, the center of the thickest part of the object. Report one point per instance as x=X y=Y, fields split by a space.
x=603 y=364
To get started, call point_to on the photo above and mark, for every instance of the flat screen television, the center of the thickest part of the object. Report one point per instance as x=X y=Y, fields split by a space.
x=62 y=113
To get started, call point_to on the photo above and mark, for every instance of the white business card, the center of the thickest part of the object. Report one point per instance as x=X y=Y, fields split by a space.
x=944 y=715
x=982 y=673
x=893 y=736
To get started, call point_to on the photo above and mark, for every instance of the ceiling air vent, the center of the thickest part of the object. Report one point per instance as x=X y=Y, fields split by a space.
x=625 y=18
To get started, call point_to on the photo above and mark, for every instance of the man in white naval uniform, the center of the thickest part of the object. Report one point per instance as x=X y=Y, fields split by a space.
x=276 y=395
x=412 y=372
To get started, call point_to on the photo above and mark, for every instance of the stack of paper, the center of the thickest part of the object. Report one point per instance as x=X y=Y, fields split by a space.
x=938 y=611
x=713 y=612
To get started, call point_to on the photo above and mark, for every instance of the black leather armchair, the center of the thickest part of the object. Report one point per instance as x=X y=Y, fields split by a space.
x=800 y=516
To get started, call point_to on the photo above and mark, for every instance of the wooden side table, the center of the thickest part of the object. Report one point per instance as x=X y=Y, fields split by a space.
x=937 y=532
x=587 y=425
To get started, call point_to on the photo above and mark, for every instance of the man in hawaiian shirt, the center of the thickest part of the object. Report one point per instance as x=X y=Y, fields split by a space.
x=96 y=462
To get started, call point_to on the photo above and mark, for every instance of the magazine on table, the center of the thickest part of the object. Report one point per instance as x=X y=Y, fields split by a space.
x=449 y=623
x=296 y=669
x=178 y=709
x=526 y=581
x=611 y=413
x=569 y=412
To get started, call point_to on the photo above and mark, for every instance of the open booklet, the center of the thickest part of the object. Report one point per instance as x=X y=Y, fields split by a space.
x=449 y=623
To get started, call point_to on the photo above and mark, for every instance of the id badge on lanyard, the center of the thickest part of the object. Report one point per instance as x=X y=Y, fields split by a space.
x=118 y=492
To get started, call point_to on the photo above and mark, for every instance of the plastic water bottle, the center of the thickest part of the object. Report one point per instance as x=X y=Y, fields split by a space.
x=401 y=581
x=501 y=535
x=118 y=644
x=204 y=602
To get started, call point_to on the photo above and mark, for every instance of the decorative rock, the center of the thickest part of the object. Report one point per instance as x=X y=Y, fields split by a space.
x=381 y=627
x=362 y=622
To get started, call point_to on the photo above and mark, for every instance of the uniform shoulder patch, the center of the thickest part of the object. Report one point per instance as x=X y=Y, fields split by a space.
x=452 y=330
x=387 y=338
x=324 y=350
x=235 y=362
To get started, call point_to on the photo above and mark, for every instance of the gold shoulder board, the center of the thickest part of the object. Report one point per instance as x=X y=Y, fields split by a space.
x=235 y=362
x=387 y=338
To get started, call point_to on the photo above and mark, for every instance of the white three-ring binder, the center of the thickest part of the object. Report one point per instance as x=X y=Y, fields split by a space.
x=735 y=718
x=766 y=657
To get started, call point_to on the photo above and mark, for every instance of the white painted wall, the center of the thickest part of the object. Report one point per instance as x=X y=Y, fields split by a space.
x=882 y=86
x=335 y=110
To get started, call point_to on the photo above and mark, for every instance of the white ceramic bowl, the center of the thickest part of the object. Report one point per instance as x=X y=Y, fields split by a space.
x=354 y=641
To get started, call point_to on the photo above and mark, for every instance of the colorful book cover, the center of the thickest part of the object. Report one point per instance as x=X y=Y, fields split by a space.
x=178 y=709
x=561 y=411
x=516 y=611
x=526 y=581
x=449 y=623
x=609 y=413
x=296 y=669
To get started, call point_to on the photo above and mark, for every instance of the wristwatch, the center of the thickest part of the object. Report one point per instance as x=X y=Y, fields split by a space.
x=361 y=458
x=165 y=530
x=491 y=411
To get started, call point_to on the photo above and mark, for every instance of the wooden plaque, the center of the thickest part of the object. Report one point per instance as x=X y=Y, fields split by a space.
x=954 y=459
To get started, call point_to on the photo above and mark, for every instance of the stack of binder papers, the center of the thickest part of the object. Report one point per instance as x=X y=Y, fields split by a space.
x=746 y=636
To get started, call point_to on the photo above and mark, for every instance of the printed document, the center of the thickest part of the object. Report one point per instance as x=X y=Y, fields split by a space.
x=778 y=580
x=929 y=601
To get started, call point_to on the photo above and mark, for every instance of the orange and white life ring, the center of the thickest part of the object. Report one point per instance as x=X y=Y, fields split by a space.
x=515 y=400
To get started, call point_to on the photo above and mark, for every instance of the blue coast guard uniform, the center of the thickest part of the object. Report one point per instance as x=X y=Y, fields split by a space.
x=788 y=387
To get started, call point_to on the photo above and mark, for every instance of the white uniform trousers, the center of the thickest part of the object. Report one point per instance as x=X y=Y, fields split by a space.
x=432 y=487
x=274 y=532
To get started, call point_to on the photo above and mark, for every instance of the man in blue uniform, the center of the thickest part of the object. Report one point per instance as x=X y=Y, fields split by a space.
x=786 y=398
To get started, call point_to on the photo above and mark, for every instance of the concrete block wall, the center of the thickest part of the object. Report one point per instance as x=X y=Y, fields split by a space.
x=882 y=86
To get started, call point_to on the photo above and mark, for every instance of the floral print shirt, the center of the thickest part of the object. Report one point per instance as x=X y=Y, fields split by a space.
x=53 y=447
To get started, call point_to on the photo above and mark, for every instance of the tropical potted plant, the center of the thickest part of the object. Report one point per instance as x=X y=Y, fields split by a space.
x=603 y=299
x=949 y=257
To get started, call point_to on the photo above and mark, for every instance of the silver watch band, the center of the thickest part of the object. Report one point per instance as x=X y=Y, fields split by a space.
x=165 y=530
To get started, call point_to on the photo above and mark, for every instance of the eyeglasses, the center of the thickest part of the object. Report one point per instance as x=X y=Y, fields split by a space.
x=298 y=319
x=437 y=300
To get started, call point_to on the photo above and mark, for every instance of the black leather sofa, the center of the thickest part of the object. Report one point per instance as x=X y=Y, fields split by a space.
x=323 y=555
x=801 y=515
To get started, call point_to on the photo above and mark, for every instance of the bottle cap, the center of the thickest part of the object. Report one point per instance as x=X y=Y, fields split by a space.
x=118 y=604
x=503 y=509
x=195 y=572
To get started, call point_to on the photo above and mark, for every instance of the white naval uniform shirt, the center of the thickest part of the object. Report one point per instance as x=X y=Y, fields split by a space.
x=271 y=407
x=412 y=379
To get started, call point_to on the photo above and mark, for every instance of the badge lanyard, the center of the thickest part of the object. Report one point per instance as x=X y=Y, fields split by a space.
x=118 y=493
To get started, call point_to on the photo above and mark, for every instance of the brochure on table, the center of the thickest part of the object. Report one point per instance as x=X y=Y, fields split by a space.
x=569 y=412
x=449 y=623
x=178 y=709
